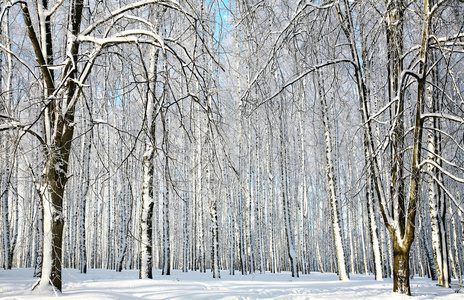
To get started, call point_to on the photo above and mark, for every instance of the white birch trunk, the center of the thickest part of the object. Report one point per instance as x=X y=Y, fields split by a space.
x=250 y=204
x=332 y=185
x=285 y=201
x=435 y=204
x=5 y=209
x=304 y=184
x=270 y=220
x=374 y=233
x=260 y=207
x=39 y=239
x=241 y=229
x=146 y=259
x=232 y=228
x=363 y=244
x=146 y=224
x=453 y=243
x=122 y=198
x=215 y=239
x=7 y=245
x=166 y=270
x=185 y=232
x=85 y=159
x=199 y=193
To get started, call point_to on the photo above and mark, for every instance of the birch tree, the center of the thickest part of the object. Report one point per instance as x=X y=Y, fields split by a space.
x=152 y=110
x=332 y=184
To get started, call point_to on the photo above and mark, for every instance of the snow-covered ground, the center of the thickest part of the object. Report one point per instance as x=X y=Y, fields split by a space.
x=107 y=284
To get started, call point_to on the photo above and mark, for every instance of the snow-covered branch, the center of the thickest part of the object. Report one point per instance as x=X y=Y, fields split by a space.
x=127 y=36
x=129 y=7
x=443 y=116
x=441 y=169
x=23 y=127
x=443 y=187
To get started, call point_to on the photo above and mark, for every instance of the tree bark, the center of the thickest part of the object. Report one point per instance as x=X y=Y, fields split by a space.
x=401 y=268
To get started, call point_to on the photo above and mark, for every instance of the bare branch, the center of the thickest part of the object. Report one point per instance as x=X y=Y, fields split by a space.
x=442 y=186
x=300 y=76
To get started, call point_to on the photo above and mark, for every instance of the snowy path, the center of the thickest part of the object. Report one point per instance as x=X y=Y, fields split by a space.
x=107 y=284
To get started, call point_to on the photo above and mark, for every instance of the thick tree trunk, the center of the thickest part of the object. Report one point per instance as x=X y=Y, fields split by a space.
x=52 y=192
x=53 y=233
x=401 y=268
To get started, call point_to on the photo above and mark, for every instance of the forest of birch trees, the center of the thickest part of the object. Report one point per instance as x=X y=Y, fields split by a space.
x=239 y=136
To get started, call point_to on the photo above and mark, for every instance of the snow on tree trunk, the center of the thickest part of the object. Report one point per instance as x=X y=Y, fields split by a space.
x=52 y=192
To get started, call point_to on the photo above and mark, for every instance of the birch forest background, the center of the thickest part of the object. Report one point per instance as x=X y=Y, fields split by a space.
x=239 y=136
